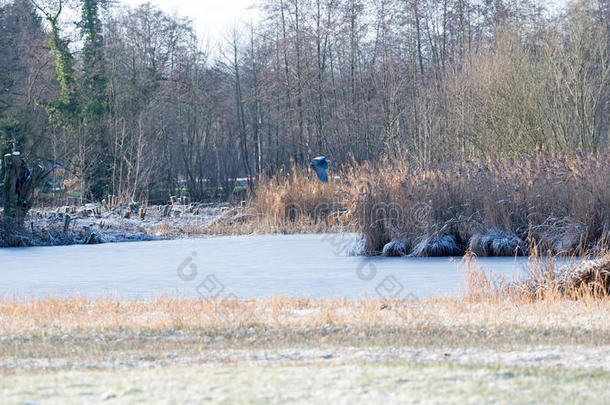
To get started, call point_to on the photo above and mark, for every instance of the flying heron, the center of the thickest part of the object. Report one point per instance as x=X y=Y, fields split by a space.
x=320 y=165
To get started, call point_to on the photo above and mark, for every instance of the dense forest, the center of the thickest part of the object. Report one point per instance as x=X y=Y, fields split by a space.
x=128 y=102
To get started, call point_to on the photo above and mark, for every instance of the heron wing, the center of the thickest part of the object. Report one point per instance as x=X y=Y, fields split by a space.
x=321 y=172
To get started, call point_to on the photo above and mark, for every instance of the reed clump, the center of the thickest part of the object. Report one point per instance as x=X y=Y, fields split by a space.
x=559 y=203
x=548 y=279
x=576 y=279
x=297 y=201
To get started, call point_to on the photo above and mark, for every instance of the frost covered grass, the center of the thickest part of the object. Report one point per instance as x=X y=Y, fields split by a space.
x=553 y=204
x=312 y=383
x=56 y=335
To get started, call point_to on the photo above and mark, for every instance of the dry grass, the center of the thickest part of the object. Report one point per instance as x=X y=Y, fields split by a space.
x=474 y=310
x=62 y=334
x=560 y=204
x=578 y=279
x=549 y=279
x=297 y=202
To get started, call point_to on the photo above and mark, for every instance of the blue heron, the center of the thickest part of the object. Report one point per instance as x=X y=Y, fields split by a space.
x=320 y=165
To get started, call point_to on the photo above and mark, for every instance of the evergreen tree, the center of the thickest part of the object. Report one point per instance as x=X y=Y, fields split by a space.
x=22 y=122
x=95 y=106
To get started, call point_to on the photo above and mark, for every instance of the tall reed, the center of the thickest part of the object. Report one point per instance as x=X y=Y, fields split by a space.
x=560 y=203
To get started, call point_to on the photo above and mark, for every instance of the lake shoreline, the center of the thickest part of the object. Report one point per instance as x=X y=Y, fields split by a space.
x=97 y=223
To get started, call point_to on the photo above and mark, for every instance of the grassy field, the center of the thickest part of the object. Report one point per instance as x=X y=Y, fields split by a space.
x=471 y=349
x=312 y=383
x=525 y=342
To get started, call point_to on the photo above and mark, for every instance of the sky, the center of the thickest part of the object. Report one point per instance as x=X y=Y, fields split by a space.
x=212 y=18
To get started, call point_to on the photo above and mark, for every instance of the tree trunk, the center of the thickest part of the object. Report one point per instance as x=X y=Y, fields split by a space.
x=20 y=181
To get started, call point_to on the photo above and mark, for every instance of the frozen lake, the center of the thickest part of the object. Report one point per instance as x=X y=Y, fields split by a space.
x=241 y=266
